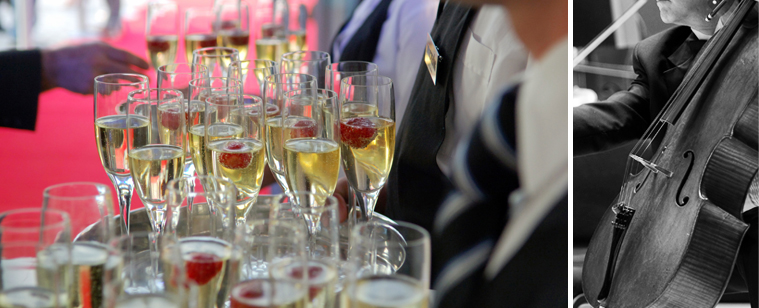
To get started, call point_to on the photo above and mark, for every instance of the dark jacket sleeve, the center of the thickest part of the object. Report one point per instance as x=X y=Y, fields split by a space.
x=20 y=83
x=623 y=117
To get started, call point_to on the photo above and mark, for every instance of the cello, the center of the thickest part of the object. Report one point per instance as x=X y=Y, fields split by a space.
x=672 y=236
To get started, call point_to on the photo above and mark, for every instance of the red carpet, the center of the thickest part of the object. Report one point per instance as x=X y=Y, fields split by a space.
x=62 y=149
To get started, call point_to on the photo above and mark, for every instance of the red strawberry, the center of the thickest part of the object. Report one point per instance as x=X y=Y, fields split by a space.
x=247 y=290
x=303 y=129
x=158 y=45
x=228 y=24
x=202 y=267
x=170 y=118
x=209 y=41
x=239 y=39
x=357 y=132
x=235 y=160
x=313 y=272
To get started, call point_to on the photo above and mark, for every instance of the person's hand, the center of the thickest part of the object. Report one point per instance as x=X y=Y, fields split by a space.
x=342 y=189
x=74 y=68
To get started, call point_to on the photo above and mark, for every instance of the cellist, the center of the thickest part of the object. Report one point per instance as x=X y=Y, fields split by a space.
x=660 y=62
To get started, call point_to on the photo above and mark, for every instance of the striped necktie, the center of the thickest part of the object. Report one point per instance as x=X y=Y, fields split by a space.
x=471 y=220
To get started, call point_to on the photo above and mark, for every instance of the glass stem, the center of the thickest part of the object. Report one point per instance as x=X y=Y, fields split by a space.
x=189 y=171
x=158 y=219
x=125 y=187
x=366 y=201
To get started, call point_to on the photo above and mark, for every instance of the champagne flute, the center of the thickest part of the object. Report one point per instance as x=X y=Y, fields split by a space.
x=233 y=20
x=217 y=59
x=33 y=274
x=367 y=136
x=161 y=159
x=389 y=265
x=114 y=134
x=46 y=226
x=311 y=143
x=200 y=90
x=162 y=32
x=90 y=210
x=199 y=30
x=208 y=249
x=234 y=141
x=337 y=71
x=307 y=62
x=275 y=88
x=271 y=42
x=252 y=74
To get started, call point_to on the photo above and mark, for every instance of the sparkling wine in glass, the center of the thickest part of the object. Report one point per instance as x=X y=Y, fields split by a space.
x=235 y=145
x=161 y=159
x=310 y=142
x=367 y=136
x=234 y=26
x=275 y=88
x=115 y=135
x=162 y=32
x=217 y=59
x=307 y=62
x=252 y=74
x=199 y=30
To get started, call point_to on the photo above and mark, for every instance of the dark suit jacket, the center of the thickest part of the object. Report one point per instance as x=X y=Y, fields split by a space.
x=660 y=62
x=20 y=83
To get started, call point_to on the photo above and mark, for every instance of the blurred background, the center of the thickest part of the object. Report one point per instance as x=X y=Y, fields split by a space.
x=62 y=148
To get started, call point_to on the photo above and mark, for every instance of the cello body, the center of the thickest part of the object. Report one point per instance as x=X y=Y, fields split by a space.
x=681 y=244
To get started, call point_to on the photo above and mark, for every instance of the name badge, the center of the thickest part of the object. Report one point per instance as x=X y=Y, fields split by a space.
x=431 y=58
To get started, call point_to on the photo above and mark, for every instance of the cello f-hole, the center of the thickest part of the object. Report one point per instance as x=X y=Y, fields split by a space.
x=682 y=201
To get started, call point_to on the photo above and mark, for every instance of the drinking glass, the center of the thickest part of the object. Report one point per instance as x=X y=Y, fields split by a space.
x=390 y=265
x=162 y=32
x=270 y=244
x=143 y=275
x=275 y=88
x=235 y=148
x=252 y=74
x=33 y=275
x=47 y=227
x=178 y=76
x=200 y=90
x=217 y=59
x=337 y=71
x=161 y=159
x=367 y=136
x=307 y=62
x=114 y=134
x=206 y=244
x=199 y=30
x=233 y=19
x=311 y=148
x=271 y=42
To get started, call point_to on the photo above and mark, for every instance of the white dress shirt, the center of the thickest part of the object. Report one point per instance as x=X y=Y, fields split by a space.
x=401 y=43
x=542 y=132
x=489 y=58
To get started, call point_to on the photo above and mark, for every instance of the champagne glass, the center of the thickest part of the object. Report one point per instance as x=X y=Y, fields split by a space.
x=270 y=244
x=178 y=76
x=142 y=282
x=311 y=146
x=161 y=159
x=367 y=136
x=199 y=31
x=233 y=20
x=162 y=32
x=114 y=134
x=275 y=88
x=307 y=62
x=271 y=42
x=297 y=40
x=208 y=248
x=235 y=146
x=33 y=274
x=217 y=59
x=252 y=74
x=390 y=265
x=46 y=226
x=337 y=71
x=200 y=90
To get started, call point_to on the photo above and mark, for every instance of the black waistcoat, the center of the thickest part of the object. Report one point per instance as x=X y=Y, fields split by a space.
x=363 y=45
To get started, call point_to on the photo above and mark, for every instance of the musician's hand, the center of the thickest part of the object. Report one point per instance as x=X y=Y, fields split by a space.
x=74 y=68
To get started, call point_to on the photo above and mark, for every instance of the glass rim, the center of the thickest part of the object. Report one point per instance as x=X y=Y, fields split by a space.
x=311 y=78
x=425 y=235
x=322 y=55
x=234 y=106
x=47 y=192
x=381 y=81
x=130 y=96
x=232 y=51
x=162 y=68
x=332 y=95
x=100 y=77
x=65 y=219
x=193 y=83
x=256 y=98
x=331 y=66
